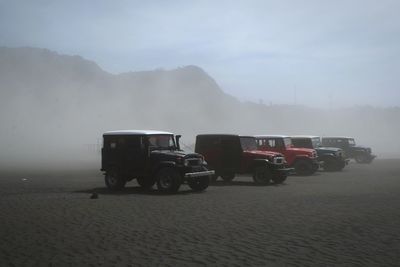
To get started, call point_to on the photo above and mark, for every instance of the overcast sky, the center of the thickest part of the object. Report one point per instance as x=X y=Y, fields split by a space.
x=318 y=53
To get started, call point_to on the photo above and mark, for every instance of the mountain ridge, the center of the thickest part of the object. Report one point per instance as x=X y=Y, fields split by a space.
x=46 y=99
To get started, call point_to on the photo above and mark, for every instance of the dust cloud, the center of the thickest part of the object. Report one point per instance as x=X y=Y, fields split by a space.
x=54 y=109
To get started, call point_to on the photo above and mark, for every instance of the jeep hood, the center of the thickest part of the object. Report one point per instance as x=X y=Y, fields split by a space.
x=327 y=149
x=262 y=153
x=300 y=150
x=357 y=147
x=176 y=153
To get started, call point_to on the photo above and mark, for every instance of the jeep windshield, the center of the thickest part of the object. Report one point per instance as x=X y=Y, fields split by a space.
x=248 y=143
x=162 y=142
x=316 y=142
x=287 y=141
x=352 y=142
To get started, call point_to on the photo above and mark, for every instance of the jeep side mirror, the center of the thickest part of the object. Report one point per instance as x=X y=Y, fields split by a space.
x=177 y=137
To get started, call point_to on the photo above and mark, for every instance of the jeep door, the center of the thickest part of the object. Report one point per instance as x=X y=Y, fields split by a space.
x=231 y=153
x=136 y=155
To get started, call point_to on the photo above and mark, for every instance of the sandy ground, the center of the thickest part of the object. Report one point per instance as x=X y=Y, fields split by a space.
x=351 y=218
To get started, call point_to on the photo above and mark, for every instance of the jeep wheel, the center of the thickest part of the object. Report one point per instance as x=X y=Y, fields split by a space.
x=330 y=165
x=199 y=183
x=228 y=176
x=334 y=165
x=114 y=181
x=279 y=178
x=168 y=180
x=145 y=182
x=360 y=158
x=303 y=167
x=262 y=175
x=363 y=158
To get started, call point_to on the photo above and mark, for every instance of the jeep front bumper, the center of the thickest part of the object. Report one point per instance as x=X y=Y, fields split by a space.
x=199 y=174
x=284 y=170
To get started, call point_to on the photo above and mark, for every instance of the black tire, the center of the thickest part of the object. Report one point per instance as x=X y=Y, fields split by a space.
x=228 y=176
x=331 y=165
x=262 y=175
x=168 y=180
x=304 y=167
x=342 y=164
x=199 y=183
x=146 y=182
x=114 y=181
x=360 y=158
x=363 y=158
x=279 y=178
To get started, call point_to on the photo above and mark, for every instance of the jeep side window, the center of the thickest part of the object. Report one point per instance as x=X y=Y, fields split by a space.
x=301 y=142
x=351 y=142
x=276 y=143
x=135 y=142
x=271 y=143
x=316 y=142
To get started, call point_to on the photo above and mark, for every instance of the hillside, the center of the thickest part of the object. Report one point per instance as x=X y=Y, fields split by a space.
x=57 y=105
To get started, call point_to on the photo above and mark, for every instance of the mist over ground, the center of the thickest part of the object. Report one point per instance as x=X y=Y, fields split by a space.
x=54 y=109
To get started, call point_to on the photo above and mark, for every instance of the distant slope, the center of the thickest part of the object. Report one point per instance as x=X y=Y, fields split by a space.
x=53 y=105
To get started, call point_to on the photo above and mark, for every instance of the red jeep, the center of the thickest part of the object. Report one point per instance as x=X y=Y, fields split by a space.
x=229 y=154
x=303 y=160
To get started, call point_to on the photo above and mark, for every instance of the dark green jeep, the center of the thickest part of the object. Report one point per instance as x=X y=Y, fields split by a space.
x=151 y=157
x=330 y=158
x=360 y=153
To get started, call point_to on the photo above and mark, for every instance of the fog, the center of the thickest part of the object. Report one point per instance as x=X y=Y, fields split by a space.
x=54 y=109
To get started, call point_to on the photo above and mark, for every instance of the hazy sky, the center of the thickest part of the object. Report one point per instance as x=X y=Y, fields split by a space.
x=317 y=52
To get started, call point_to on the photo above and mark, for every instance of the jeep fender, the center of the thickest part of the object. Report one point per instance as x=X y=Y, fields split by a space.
x=327 y=156
x=163 y=164
x=301 y=157
x=261 y=162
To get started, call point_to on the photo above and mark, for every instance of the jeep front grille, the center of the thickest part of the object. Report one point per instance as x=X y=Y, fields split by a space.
x=192 y=162
x=278 y=160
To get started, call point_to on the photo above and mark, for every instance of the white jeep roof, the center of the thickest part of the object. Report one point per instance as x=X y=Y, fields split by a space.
x=135 y=132
x=334 y=137
x=304 y=136
x=271 y=136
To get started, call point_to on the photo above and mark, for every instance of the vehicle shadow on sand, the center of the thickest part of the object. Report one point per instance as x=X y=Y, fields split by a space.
x=243 y=183
x=134 y=190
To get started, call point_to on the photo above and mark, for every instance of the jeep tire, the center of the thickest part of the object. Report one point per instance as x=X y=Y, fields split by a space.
x=199 y=183
x=362 y=158
x=114 y=180
x=145 y=182
x=279 y=178
x=304 y=167
x=262 y=175
x=331 y=165
x=168 y=180
x=228 y=176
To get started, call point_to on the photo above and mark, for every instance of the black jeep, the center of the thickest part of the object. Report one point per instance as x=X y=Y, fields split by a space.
x=330 y=158
x=359 y=153
x=151 y=157
x=229 y=154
